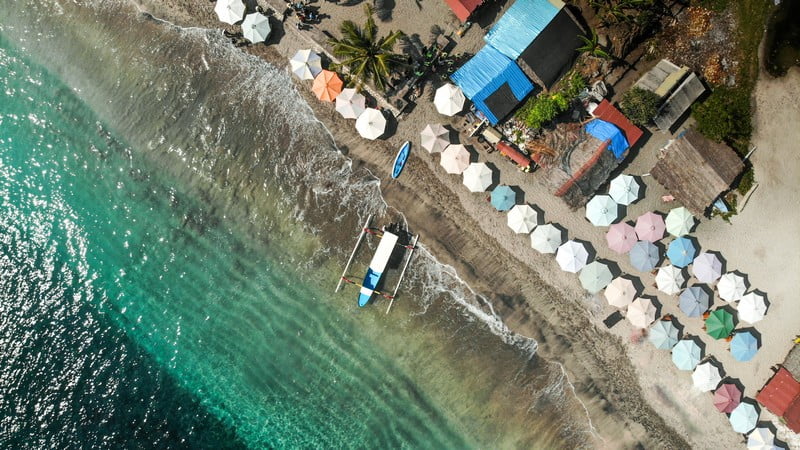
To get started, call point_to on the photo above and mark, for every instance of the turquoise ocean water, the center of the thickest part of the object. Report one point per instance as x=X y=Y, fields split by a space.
x=168 y=252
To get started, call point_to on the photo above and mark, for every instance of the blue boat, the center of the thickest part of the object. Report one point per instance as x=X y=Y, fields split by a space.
x=376 y=267
x=400 y=159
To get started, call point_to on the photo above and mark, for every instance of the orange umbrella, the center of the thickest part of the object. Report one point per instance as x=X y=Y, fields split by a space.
x=327 y=85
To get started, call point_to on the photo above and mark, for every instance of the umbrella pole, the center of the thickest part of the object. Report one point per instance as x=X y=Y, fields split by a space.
x=403 y=272
x=353 y=254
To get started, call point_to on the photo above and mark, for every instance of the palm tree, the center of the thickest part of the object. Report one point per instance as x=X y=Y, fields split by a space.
x=364 y=54
x=591 y=45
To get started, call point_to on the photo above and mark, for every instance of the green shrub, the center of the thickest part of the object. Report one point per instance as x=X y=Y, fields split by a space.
x=640 y=105
x=538 y=111
x=747 y=181
x=725 y=117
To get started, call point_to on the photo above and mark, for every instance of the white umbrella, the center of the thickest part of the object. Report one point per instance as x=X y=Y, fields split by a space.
x=350 y=104
x=641 y=313
x=306 y=64
x=571 y=256
x=707 y=267
x=752 y=308
x=601 y=210
x=546 y=238
x=624 y=189
x=670 y=279
x=455 y=159
x=435 y=138
x=731 y=287
x=761 y=439
x=679 y=221
x=449 y=100
x=229 y=11
x=620 y=292
x=255 y=27
x=371 y=124
x=522 y=219
x=706 y=377
x=477 y=177
x=743 y=418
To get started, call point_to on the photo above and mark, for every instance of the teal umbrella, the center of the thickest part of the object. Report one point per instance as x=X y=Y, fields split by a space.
x=595 y=276
x=663 y=335
x=744 y=418
x=686 y=354
x=744 y=346
x=503 y=198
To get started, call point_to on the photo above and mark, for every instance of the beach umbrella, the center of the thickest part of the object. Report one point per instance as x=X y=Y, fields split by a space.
x=595 y=276
x=601 y=210
x=731 y=287
x=435 y=138
x=644 y=256
x=707 y=267
x=522 y=219
x=624 y=189
x=761 y=438
x=255 y=27
x=620 y=292
x=371 y=124
x=686 y=354
x=719 y=324
x=546 y=238
x=669 y=280
x=679 y=221
x=649 y=227
x=503 y=198
x=706 y=377
x=743 y=418
x=305 y=64
x=571 y=256
x=694 y=301
x=455 y=159
x=477 y=177
x=681 y=252
x=727 y=397
x=621 y=237
x=641 y=313
x=229 y=11
x=327 y=86
x=449 y=100
x=752 y=308
x=663 y=335
x=350 y=104
x=744 y=346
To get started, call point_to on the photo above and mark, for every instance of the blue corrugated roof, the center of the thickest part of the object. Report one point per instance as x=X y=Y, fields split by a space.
x=484 y=73
x=606 y=130
x=520 y=25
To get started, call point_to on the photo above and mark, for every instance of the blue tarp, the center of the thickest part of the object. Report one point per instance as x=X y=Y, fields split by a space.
x=485 y=73
x=520 y=25
x=606 y=130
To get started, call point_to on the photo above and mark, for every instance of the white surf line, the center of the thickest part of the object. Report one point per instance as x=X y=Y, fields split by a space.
x=592 y=428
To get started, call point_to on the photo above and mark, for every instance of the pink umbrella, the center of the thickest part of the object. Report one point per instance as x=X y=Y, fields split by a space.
x=727 y=397
x=621 y=237
x=650 y=227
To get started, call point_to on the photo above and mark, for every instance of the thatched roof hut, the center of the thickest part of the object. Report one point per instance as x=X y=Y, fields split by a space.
x=696 y=170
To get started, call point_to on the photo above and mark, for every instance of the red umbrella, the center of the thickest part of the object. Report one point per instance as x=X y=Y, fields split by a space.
x=727 y=397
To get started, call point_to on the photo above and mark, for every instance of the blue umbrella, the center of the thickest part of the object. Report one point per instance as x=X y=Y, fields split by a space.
x=663 y=335
x=503 y=198
x=681 y=252
x=644 y=256
x=744 y=346
x=694 y=301
x=744 y=418
x=686 y=354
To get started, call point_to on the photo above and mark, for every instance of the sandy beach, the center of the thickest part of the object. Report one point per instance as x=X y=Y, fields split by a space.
x=633 y=393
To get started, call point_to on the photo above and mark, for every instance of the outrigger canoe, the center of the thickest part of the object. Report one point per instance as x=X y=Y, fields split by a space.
x=400 y=159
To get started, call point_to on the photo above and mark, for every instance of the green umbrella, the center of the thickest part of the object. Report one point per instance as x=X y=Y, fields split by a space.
x=719 y=324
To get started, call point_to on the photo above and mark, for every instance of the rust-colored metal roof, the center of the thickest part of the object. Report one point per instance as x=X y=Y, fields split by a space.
x=509 y=151
x=463 y=8
x=792 y=415
x=606 y=111
x=779 y=393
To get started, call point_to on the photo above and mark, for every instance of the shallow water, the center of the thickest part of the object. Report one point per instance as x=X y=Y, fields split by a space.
x=783 y=38
x=173 y=222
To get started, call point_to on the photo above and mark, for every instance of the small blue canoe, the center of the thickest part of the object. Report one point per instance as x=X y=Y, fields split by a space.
x=400 y=159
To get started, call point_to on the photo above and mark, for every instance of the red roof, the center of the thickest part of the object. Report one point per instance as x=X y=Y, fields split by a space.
x=463 y=8
x=514 y=154
x=779 y=392
x=792 y=415
x=606 y=111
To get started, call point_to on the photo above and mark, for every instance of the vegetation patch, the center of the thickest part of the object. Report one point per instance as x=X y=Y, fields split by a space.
x=640 y=105
x=542 y=109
